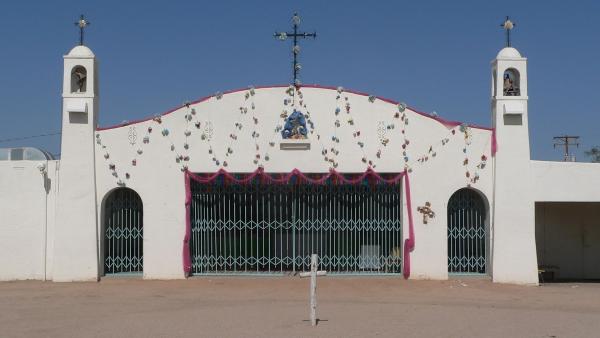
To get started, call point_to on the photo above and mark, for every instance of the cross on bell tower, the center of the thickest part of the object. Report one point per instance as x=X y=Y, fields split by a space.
x=296 y=48
x=508 y=25
x=82 y=23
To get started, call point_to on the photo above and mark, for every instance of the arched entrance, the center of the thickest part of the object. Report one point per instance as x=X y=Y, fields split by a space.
x=123 y=232
x=467 y=233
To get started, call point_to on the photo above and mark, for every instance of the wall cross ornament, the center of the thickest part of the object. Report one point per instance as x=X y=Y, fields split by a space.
x=132 y=136
x=427 y=212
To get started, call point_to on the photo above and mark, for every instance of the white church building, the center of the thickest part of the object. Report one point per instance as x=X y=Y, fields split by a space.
x=254 y=181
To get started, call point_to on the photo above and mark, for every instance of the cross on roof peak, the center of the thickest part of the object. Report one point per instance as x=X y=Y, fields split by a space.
x=508 y=25
x=82 y=23
x=282 y=36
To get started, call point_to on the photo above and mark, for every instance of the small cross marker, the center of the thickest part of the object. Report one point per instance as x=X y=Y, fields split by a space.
x=313 y=286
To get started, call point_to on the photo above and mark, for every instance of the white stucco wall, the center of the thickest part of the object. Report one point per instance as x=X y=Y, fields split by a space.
x=566 y=181
x=27 y=201
x=158 y=178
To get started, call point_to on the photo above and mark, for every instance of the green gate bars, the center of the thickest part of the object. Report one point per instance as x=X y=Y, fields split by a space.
x=467 y=234
x=274 y=228
x=123 y=232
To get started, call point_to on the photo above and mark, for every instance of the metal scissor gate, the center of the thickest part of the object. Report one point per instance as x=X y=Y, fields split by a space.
x=467 y=234
x=123 y=232
x=274 y=228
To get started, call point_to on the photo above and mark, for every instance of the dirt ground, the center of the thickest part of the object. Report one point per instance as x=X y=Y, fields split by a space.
x=278 y=307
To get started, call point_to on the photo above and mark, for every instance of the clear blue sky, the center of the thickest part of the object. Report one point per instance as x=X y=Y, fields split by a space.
x=434 y=55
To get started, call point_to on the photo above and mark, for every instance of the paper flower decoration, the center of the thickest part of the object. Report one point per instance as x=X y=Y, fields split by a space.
x=401 y=107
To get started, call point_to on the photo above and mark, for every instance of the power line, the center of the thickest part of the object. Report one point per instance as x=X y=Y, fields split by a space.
x=28 y=137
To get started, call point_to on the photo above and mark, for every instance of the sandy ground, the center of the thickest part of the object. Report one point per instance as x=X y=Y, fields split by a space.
x=278 y=307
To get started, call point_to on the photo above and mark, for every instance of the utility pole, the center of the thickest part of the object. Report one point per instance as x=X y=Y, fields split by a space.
x=565 y=141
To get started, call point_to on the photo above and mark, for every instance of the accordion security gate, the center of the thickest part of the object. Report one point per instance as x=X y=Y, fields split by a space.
x=123 y=232
x=467 y=234
x=263 y=228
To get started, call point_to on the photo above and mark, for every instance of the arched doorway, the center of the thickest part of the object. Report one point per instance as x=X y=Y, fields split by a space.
x=467 y=233
x=123 y=232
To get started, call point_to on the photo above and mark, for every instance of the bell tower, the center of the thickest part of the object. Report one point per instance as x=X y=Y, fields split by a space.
x=75 y=247
x=514 y=258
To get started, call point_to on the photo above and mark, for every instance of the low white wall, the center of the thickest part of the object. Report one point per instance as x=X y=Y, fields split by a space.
x=566 y=181
x=27 y=201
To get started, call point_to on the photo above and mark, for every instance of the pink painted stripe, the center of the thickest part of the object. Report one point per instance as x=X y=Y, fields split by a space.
x=446 y=123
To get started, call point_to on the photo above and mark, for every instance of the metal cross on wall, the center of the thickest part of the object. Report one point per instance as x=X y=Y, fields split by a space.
x=82 y=23
x=508 y=26
x=296 y=48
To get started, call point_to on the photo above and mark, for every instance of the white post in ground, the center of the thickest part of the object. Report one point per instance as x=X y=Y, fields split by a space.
x=313 y=286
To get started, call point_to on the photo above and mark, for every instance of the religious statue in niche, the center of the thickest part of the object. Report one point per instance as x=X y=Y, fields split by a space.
x=295 y=127
x=79 y=80
x=511 y=86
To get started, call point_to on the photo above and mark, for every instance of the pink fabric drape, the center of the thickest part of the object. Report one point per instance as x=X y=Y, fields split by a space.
x=187 y=259
x=409 y=243
x=332 y=175
x=494 y=142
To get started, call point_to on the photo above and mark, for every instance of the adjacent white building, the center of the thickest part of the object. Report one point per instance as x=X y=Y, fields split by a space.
x=253 y=181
